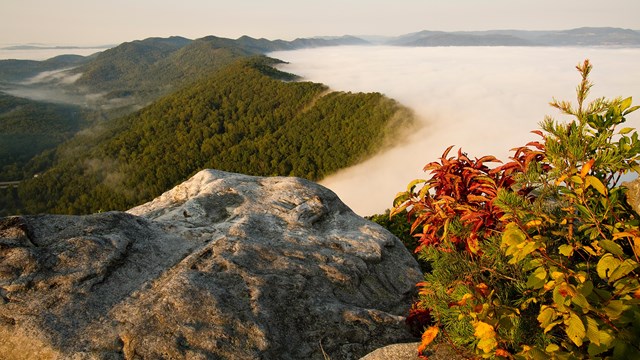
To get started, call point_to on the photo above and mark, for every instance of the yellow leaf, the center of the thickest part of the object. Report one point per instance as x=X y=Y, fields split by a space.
x=622 y=234
x=550 y=285
x=427 y=337
x=487 y=345
x=597 y=184
x=483 y=330
x=487 y=336
x=533 y=223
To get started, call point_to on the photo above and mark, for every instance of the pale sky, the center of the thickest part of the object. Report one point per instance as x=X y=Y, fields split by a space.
x=99 y=22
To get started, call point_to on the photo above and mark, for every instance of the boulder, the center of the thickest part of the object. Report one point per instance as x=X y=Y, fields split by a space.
x=223 y=266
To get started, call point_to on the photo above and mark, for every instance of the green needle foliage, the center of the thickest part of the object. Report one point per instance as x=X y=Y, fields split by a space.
x=537 y=258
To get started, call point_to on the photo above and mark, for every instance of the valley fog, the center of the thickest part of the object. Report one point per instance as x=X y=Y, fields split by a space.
x=485 y=100
x=45 y=53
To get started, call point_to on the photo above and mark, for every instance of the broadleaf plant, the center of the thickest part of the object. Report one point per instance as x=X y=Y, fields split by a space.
x=537 y=258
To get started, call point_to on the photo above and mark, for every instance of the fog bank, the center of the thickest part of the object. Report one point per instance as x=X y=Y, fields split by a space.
x=45 y=53
x=483 y=99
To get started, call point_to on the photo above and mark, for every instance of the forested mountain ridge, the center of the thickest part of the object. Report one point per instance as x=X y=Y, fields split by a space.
x=29 y=127
x=161 y=64
x=127 y=62
x=141 y=71
x=20 y=70
x=110 y=84
x=242 y=118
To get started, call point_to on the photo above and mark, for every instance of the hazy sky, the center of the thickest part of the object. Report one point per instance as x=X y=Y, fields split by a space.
x=97 y=22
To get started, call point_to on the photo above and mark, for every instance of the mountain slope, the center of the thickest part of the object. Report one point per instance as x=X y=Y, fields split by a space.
x=30 y=127
x=127 y=63
x=20 y=70
x=153 y=67
x=242 y=119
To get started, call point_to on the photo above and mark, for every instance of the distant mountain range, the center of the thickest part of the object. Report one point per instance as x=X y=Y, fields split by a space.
x=53 y=47
x=586 y=36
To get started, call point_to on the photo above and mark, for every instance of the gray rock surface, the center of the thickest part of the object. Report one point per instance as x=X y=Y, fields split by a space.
x=409 y=351
x=224 y=266
x=406 y=351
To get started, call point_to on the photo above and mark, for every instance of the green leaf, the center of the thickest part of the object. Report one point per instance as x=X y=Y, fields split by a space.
x=606 y=265
x=581 y=301
x=566 y=250
x=583 y=210
x=595 y=349
x=597 y=336
x=623 y=269
x=575 y=329
x=624 y=105
x=586 y=288
x=615 y=308
x=611 y=247
x=625 y=130
x=597 y=184
x=631 y=110
x=537 y=279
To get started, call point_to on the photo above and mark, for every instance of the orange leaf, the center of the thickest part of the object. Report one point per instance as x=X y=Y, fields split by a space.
x=427 y=337
x=586 y=168
x=483 y=289
x=464 y=299
x=476 y=198
x=503 y=353
x=472 y=244
x=536 y=144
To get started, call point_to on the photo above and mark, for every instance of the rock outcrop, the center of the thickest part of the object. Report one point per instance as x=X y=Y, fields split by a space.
x=224 y=266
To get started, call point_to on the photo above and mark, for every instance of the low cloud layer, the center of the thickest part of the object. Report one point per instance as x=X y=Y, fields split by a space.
x=63 y=76
x=483 y=99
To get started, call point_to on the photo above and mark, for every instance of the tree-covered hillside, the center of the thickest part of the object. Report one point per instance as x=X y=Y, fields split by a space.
x=243 y=118
x=155 y=66
x=20 y=70
x=30 y=127
x=127 y=63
